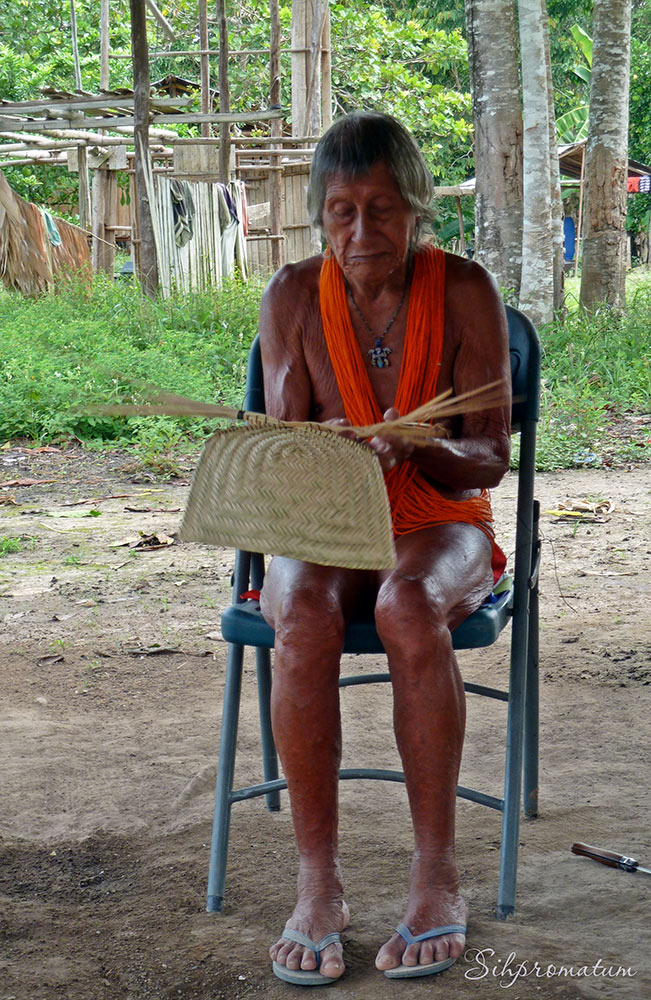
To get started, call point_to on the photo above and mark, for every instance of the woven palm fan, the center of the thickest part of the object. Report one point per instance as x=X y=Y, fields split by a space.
x=299 y=489
x=301 y=492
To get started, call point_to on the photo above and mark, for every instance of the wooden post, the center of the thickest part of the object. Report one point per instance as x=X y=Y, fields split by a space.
x=82 y=157
x=577 y=243
x=224 y=95
x=148 y=274
x=104 y=186
x=276 y=177
x=462 y=234
x=205 y=66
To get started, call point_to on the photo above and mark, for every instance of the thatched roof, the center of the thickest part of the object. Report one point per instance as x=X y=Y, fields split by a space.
x=28 y=259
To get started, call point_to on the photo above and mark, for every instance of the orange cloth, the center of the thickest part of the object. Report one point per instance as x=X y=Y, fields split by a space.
x=415 y=502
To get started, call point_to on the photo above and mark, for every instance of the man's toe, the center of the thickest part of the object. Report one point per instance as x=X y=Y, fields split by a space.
x=308 y=961
x=332 y=964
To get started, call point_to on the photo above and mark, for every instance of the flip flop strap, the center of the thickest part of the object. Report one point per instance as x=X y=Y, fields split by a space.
x=315 y=946
x=410 y=938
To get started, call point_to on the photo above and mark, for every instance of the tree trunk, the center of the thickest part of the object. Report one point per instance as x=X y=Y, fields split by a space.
x=604 y=245
x=308 y=20
x=558 y=241
x=148 y=275
x=495 y=85
x=275 y=179
x=537 y=283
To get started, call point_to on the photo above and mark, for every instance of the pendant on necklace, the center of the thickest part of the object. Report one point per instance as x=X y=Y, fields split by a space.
x=380 y=355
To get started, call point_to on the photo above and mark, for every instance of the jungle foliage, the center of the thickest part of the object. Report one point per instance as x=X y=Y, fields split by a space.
x=407 y=57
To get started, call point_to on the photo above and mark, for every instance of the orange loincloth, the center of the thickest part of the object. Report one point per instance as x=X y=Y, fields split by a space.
x=415 y=502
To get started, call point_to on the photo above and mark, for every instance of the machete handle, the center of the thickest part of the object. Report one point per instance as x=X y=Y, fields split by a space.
x=610 y=858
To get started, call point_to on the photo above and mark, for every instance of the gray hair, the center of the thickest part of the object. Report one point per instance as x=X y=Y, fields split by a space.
x=354 y=144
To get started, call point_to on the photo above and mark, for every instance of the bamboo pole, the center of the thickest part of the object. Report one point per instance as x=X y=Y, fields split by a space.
x=162 y=20
x=224 y=94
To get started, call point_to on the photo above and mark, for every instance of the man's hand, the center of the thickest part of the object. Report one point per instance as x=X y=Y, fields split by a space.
x=392 y=449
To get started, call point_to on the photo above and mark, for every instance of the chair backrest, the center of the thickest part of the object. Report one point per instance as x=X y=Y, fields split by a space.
x=524 y=349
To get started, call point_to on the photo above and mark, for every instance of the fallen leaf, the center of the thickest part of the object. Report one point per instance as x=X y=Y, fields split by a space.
x=596 y=572
x=28 y=482
x=74 y=513
x=51 y=658
x=145 y=542
x=153 y=510
x=113 y=496
x=8 y=501
x=151 y=650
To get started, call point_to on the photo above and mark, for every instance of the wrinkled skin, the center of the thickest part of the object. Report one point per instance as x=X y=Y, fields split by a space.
x=443 y=572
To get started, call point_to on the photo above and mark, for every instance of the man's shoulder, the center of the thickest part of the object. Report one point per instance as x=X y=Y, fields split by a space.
x=469 y=273
x=299 y=280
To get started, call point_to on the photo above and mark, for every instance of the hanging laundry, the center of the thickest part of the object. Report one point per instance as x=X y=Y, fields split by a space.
x=230 y=203
x=240 y=243
x=632 y=184
x=51 y=227
x=182 y=212
x=645 y=183
x=229 y=226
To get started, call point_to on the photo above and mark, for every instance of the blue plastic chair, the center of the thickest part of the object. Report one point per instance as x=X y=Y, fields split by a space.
x=243 y=625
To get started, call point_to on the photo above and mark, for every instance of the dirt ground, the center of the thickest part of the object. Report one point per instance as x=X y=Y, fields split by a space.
x=111 y=674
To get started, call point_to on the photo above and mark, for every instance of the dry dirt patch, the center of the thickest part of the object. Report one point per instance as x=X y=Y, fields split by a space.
x=111 y=671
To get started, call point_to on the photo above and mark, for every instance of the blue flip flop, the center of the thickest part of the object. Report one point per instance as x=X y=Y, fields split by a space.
x=409 y=971
x=306 y=977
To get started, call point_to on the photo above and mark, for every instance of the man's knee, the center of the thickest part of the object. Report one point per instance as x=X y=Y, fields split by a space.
x=410 y=608
x=307 y=620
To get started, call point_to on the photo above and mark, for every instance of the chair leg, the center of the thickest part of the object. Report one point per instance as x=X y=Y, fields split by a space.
x=225 y=769
x=531 y=715
x=515 y=733
x=269 y=755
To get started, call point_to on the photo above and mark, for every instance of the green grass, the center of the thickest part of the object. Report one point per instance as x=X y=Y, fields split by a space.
x=9 y=544
x=65 y=351
x=62 y=352
x=596 y=371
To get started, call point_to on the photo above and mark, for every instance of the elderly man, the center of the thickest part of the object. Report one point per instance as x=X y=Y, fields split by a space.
x=377 y=325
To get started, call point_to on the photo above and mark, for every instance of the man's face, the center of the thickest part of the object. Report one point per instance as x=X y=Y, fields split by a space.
x=368 y=224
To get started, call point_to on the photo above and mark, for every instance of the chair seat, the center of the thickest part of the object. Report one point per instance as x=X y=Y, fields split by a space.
x=244 y=624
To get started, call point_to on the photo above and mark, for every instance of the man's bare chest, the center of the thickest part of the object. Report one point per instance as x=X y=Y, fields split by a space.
x=384 y=381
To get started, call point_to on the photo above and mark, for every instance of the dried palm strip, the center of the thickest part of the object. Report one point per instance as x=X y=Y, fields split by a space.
x=416 y=426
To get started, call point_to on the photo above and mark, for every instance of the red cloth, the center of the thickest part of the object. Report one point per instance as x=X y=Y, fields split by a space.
x=632 y=184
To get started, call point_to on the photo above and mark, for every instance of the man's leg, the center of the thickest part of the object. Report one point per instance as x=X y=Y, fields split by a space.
x=308 y=606
x=443 y=574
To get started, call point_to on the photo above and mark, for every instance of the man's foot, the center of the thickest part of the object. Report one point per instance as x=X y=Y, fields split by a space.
x=432 y=903
x=320 y=910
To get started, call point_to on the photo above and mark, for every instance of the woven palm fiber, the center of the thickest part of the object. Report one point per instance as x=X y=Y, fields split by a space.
x=302 y=492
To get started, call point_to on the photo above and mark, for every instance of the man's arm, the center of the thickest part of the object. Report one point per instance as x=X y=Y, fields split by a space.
x=477 y=456
x=283 y=310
